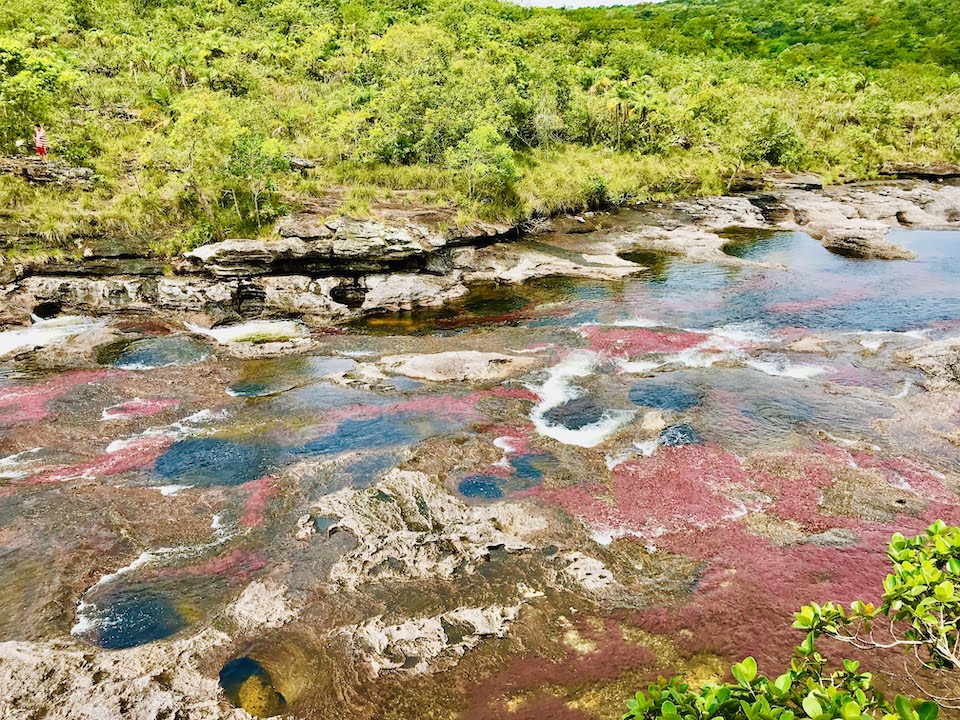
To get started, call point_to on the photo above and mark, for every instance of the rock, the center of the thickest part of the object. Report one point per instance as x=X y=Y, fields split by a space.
x=502 y=263
x=301 y=295
x=587 y=572
x=305 y=528
x=922 y=171
x=653 y=422
x=262 y=604
x=303 y=225
x=408 y=528
x=939 y=360
x=864 y=241
x=793 y=181
x=808 y=344
x=299 y=164
x=34 y=170
x=422 y=645
x=406 y=291
x=458 y=366
x=69 y=680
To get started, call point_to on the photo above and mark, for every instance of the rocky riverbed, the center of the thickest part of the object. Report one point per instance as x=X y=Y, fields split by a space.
x=561 y=466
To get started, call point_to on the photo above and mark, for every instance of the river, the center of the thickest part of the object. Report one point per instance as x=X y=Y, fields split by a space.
x=649 y=476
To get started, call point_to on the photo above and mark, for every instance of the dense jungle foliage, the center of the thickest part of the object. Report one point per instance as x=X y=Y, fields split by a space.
x=188 y=110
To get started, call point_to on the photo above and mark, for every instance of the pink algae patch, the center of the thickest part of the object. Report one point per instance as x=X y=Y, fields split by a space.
x=238 y=564
x=139 y=407
x=676 y=488
x=613 y=656
x=818 y=303
x=26 y=403
x=259 y=493
x=639 y=341
x=138 y=453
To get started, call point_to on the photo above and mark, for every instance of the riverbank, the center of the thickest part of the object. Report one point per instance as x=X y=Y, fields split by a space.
x=327 y=269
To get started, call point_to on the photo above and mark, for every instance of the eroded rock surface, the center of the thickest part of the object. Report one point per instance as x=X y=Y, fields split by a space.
x=458 y=365
x=407 y=527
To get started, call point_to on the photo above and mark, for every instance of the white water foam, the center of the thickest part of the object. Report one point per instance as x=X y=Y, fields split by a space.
x=87 y=619
x=255 y=330
x=558 y=389
x=43 y=333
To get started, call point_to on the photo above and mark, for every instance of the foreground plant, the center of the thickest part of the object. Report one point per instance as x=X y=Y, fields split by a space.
x=919 y=612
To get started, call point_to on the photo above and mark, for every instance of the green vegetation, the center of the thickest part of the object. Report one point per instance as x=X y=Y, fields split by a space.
x=919 y=612
x=189 y=109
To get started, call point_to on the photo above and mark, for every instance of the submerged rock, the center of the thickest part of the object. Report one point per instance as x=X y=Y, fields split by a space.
x=865 y=241
x=458 y=366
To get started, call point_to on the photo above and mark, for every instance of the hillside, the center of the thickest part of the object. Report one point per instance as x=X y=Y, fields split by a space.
x=188 y=112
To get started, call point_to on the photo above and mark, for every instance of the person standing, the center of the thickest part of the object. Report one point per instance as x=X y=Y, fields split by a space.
x=40 y=141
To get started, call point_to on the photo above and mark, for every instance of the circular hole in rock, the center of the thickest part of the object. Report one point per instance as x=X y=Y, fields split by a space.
x=247 y=685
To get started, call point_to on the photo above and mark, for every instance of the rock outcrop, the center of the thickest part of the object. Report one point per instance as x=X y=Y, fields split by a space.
x=327 y=269
x=35 y=170
x=940 y=362
x=406 y=527
x=458 y=366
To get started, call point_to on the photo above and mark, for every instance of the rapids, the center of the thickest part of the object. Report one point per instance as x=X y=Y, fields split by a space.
x=682 y=458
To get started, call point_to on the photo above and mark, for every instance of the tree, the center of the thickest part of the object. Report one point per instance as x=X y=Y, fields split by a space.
x=485 y=162
x=921 y=613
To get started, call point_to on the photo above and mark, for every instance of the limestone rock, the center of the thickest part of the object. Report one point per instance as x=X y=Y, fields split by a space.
x=940 y=362
x=464 y=365
x=262 y=604
x=422 y=645
x=864 y=241
x=407 y=527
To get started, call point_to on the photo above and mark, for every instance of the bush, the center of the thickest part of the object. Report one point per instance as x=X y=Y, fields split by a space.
x=920 y=612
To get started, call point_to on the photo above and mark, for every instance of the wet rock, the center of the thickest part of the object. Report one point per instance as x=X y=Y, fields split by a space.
x=458 y=366
x=939 y=360
x=408 y=528
x=65 y=681
x=427 y=644
x=864 y=241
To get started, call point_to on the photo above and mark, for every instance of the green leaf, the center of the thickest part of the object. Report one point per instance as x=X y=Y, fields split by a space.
x=850 y=711
x=927 y=710
x=904 y=708
x=783 y=683
x=811 y=707
x=748 y=669
x=944 y=591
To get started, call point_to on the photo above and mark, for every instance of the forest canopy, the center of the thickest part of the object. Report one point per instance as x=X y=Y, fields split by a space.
x=189 y=110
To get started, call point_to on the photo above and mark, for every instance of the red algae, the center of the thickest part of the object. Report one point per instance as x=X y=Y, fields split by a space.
x=613 y=655
x=833 y=299
x=259 y=492
x=677 y=487
x=28 y=403
x=631 y=341
x=138 y=453
x=139 y=407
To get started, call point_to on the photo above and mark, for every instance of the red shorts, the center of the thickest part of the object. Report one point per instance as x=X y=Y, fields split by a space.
x=41 y=150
